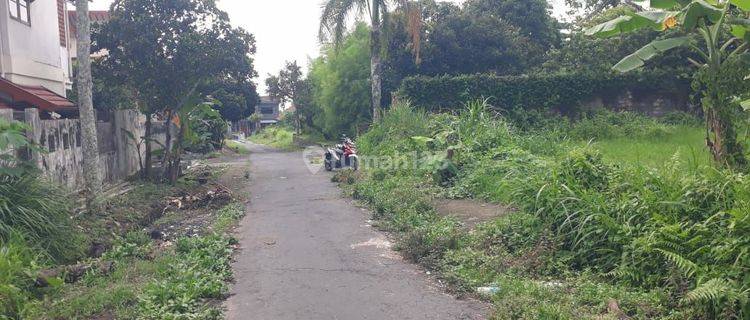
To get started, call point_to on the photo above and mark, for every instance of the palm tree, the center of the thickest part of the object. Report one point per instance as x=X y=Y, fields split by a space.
x=92 y=175
x=333 y=25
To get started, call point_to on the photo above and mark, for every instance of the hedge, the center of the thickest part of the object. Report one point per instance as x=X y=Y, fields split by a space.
x=563 y=92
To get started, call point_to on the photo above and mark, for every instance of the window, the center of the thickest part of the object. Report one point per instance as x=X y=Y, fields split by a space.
x=266 y=110
x=20 y=10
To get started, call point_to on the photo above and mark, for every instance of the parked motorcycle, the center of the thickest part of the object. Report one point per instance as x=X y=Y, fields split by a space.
x=342 y=155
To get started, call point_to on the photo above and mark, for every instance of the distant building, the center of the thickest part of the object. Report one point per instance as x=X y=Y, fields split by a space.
x=269 y=110
x=35 y=65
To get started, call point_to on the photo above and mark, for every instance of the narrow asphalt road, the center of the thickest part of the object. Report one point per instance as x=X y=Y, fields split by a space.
x=308 y=253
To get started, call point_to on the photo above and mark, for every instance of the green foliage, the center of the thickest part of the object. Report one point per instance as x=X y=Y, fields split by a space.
x=40 y=212
x=179 y=280
x=227 y=216
x=663 y=242
x=135 y=244
x=13 y=141
x=712 y=23
x=237 y=99
x=275 y=136
x=200 y=270
x=207 y=128
x=18 y=267
x=341 y=85
x=562 y=92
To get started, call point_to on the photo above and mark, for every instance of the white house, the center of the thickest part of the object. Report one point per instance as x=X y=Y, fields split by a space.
x=34 y=60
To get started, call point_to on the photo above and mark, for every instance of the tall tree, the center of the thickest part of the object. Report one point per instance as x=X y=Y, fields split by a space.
x=168 y=52
x=288 y=86
x=92 y=175
x=333 y=24
x=341 y=88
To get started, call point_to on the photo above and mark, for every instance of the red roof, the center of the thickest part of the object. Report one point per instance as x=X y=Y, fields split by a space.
x=96 y=16
x=37 y=96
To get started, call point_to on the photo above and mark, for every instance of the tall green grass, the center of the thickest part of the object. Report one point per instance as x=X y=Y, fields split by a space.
x=277 y=137
x=665 y=236
x=41 y=213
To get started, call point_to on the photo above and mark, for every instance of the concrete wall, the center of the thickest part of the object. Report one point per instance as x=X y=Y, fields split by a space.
x=654 y=103
x=63 y=160
x=32 y=55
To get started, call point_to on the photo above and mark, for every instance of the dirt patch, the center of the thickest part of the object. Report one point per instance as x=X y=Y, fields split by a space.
x=191 y=214
x=470 y=212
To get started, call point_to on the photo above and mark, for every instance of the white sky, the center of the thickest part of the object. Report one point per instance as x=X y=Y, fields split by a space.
x=284 y=29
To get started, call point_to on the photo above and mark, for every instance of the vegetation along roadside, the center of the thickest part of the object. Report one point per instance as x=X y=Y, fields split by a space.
x=592 y=235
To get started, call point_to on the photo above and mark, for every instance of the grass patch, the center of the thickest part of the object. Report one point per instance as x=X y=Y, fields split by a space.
x=685 y=144
x=275 y=136
x=237 y=147
x=153 y=280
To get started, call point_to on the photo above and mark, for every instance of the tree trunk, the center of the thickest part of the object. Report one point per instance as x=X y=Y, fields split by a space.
x=91 y=171
x=176 y=159
x=146 y=174
x=166 y=159
x=722 y=139
x=375 y=65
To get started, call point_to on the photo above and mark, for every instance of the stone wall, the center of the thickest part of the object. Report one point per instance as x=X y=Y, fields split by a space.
x=62 y=161
x=651 y=103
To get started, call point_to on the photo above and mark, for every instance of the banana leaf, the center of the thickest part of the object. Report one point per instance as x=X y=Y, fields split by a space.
x=630 y=22
x=639 y=58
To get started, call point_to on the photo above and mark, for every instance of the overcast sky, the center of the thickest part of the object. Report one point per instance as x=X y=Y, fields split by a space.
x=284 y=29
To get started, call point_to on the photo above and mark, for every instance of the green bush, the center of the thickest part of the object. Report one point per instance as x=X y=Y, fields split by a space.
x=200 y=271
x=18 y=266
x=207 y=130
x=41 y=212
x=562 y=92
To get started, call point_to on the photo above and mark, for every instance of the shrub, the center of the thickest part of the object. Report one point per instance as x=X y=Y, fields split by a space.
x=200 y=271
x=557 y=91
x=207 y=130
x=40 y=211
x=18 y=266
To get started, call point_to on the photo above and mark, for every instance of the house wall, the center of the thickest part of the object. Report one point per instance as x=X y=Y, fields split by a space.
x=32 y=55
x=269 y=116
x=63 y=160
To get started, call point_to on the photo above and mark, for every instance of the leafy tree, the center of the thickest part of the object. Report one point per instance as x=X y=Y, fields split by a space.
x=340 y=82
x=237 y=100
x=289 y=86
x=721 y=30
x=333 y=24
x=531 y=17
x=107 y=93
x=166 y=51
x=582 y=53
x=484 y=36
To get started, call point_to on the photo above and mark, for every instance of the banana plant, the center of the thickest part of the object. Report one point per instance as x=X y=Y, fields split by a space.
x=717 y=31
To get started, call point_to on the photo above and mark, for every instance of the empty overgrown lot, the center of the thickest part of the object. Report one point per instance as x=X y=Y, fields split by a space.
x=596 y=234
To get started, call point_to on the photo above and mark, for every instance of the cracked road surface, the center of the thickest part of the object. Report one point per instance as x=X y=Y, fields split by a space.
x=308 y=253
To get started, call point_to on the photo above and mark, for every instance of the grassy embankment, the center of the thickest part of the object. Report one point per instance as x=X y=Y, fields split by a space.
x=615 y=215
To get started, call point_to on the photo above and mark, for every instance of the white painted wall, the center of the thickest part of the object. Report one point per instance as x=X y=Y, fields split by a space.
x=32 y=55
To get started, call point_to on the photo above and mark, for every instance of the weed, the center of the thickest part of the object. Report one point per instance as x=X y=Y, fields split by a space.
x=227 y=216
x=277 y=137
x=630 y=225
